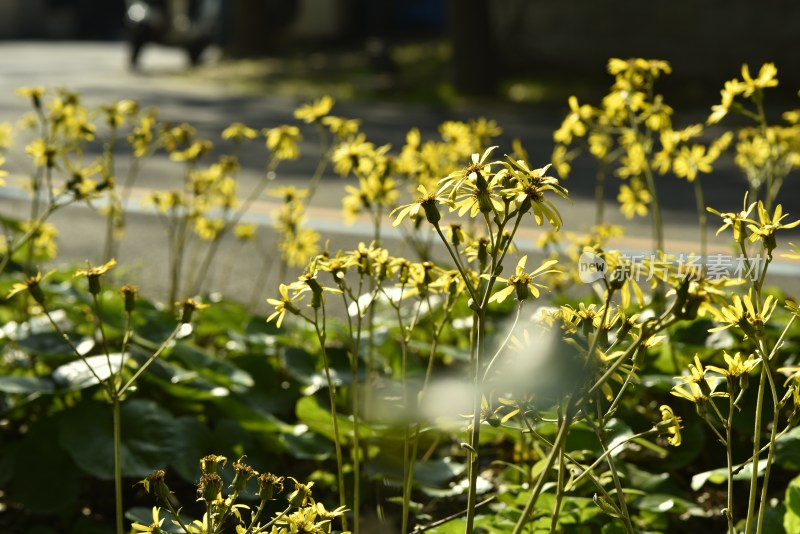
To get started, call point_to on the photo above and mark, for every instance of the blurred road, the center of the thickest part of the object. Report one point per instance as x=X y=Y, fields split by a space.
x=99 y=72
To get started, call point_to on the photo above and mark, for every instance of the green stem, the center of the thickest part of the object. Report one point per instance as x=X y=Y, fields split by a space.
x=150 y=360
x=505 y=342
x=175 y=513
x=729 y=458
x=288 y=509
x=321 y=165
x=321 y=336
x=751 y=504
x=558 y=445
x=702 y=218
x=658 y=225
x=623 y=506
x=475 y=432
x=600 y=193
x=437 y=332
x=559 y=493
x=771 y=446
x=211 y=252
x=115 y=405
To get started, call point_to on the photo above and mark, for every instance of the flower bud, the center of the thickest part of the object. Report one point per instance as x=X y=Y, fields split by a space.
x=129 y=294
x=483 y=252
x=404 y=273
x=94 y=283
x=456 y=235
x=243 y=473
x=522 y=290
x=208 y=464
x=485 y=202
x=316 y=292
x=154 y=485
x=299 y=497
x=432 y=212
x=269 y=485
x=188 y=308
x=210 y=486
x=36 y=291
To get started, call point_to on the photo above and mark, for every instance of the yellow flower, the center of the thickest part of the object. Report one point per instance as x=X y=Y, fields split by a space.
x=198 y=149
x=208 y=229
x=289 y=193
x=691 y=161
x=574 y=125
x=742 y=313
x=283 y=141
x=735 y=220
x=736 y=366
x=634 y=199
x=154 y=527
x=93 y=272
x=768 y=225
x=561 y=160
x=528 y=187
x=6 y=134
x=731 y=89
x=634 y=162
x=671 y=425
x=347 y=155
x=42 y=238
x=244 y=231
x=426 y=202
x=117 y=112
x=794 y=254
x=484 y=130
x=238 y=132
x=141 y=137
x=689 y=391
x=299 y=247
x=165 y=201
x=313 y=112
x=80 y=183
x=31 y=285
x=522 y=282
x=43 y=153
x=34 y=93
x=340 y=127
x=766 y=78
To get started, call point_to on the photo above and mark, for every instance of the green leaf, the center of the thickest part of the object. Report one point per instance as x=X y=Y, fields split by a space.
x=25 y=385
x=307 y=445
x=720 y=475
x=148 y=435
x=791 y=519
x=192 y=441
x=221 y=318
x=437 y=473
x=617 y=433
x=83 y=373
x=217 y=370
x=787 y=450
x=51 y=344
x=45 y=479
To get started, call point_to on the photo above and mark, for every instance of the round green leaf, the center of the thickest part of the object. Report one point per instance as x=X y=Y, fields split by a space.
x=148 y=435
x=45 y=480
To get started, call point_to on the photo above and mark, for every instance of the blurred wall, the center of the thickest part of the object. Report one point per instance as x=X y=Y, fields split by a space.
x=61 y=19
x=705 y=40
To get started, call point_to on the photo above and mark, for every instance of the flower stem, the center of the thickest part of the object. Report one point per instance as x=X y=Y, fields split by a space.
x=702 y=218
x=321 y=336
x=115 y=406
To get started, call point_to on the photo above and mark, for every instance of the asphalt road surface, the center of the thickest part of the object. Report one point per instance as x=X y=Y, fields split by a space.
x=99 y=72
